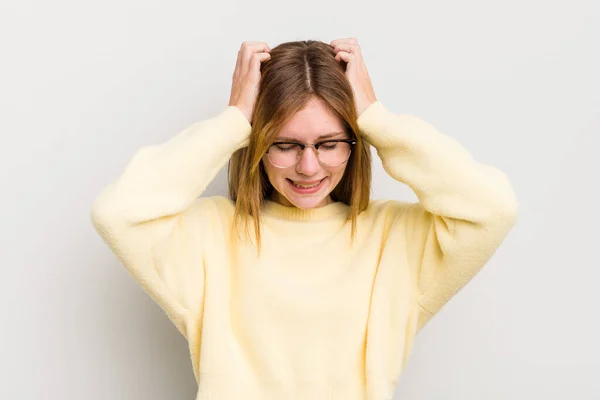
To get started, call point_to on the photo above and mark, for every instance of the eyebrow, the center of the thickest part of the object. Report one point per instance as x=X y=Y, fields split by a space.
x=325 y=136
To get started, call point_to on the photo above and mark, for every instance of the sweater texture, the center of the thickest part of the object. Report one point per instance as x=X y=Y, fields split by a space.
x=313 y=316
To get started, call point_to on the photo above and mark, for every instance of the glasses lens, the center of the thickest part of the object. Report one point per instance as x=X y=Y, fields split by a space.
x=284 y=155
x=334 y=153
x=330 y=154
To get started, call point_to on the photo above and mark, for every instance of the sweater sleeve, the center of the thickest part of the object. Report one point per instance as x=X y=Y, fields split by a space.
x=465 y=208
x=151 y=216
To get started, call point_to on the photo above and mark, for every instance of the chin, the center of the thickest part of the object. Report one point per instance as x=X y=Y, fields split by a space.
x=306 y=201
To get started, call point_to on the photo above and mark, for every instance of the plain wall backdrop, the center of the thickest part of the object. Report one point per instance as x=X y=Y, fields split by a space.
x=83 y=85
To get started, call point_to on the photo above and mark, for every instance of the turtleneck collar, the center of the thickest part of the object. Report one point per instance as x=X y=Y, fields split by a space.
x=330 y=211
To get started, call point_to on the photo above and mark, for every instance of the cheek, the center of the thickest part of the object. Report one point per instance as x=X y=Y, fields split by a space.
x=272 y=172
x=337 y=174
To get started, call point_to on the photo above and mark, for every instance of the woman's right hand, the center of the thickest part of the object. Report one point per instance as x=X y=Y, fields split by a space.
x=246 y=76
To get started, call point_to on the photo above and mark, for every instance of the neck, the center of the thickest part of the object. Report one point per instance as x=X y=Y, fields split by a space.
x=333 y=210
x=276 y=197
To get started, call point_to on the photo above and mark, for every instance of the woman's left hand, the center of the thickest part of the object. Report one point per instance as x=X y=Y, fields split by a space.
x=356 y=71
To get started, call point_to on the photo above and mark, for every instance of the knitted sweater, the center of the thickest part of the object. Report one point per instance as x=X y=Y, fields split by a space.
x=312 y=316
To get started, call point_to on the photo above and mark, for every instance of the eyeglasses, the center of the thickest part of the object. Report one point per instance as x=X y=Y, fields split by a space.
x=330 y=153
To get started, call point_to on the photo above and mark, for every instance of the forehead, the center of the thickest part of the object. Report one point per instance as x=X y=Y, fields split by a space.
x=313 y=121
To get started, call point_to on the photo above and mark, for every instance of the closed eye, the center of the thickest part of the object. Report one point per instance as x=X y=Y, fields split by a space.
x=328 y=145
x=287 y=146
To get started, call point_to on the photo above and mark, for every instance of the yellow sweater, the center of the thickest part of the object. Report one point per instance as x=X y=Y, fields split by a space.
x=312 y=318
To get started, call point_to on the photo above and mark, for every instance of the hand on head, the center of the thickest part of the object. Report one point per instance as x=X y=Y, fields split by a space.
x=246 y=76
x=348 y=50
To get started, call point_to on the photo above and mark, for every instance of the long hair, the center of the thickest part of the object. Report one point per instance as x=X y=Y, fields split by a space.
x=296 y=72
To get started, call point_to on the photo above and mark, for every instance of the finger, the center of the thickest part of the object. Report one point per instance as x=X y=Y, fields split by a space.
x=252 y=43
x=343 y=55
x=348 y=47
x=236 y=70
x=248 y=50
x=254 y=47
x=254 y=66
x=257 y=59
x=336 y=42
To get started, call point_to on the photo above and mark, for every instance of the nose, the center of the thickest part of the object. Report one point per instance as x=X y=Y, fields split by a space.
x=309 y=162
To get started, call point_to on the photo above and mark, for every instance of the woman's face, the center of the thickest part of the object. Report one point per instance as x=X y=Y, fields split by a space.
x=310 y=125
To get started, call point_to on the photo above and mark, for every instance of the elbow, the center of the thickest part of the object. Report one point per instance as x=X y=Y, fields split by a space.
x=103 y=214
x=99 y=216
x=504 y=199
x=505 y=215
x=510 y=209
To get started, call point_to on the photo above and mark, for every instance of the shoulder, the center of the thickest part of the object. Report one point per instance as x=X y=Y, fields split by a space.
x=388 y=208
x=219 y=202
x=394 y=214
x=213 y=207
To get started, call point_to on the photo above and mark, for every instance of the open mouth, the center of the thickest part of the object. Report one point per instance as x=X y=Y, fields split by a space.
x=306 y=188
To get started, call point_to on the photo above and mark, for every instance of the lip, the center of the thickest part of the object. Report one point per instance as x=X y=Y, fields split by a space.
x=309 y=190
x=309 y=182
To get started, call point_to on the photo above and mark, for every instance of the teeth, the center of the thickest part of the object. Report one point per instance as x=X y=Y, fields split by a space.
x=305 y=186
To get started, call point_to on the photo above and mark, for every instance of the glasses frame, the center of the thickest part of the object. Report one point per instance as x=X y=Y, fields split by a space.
x=351 y=142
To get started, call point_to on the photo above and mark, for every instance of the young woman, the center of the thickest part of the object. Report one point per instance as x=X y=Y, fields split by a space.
x=299 y=286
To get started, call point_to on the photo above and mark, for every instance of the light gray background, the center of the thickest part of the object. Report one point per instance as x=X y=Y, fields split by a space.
x=83 y=85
